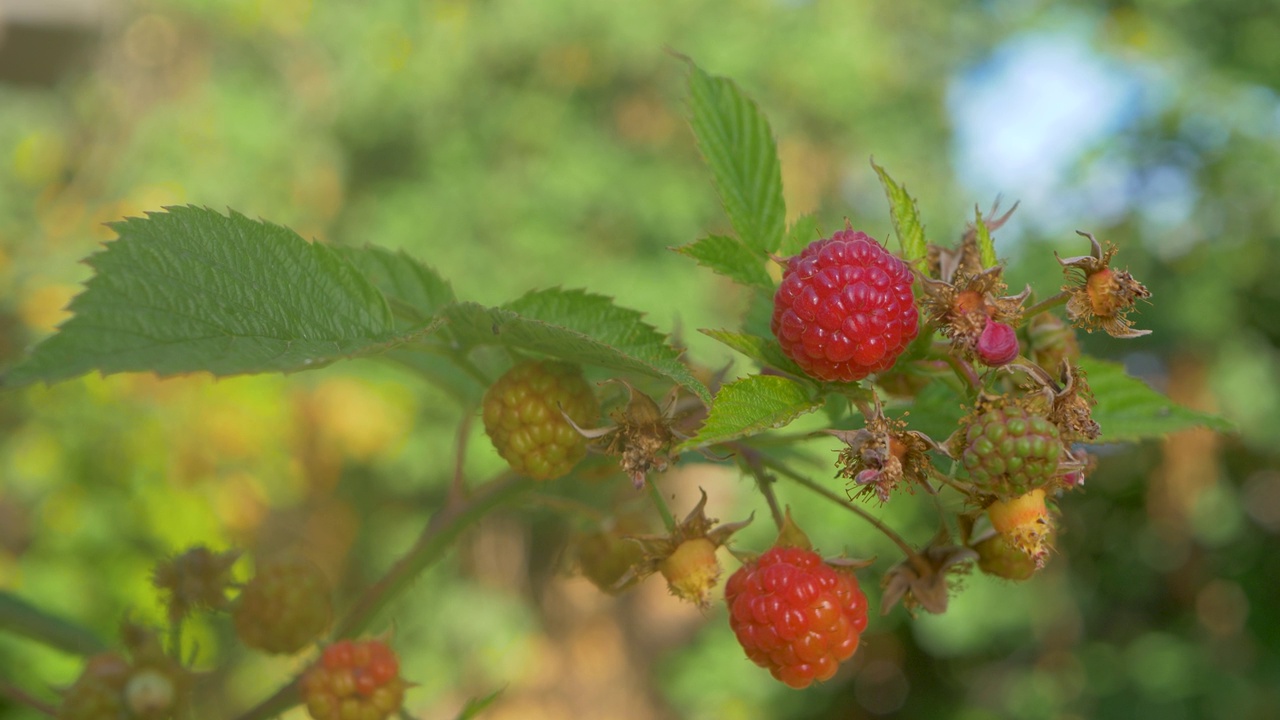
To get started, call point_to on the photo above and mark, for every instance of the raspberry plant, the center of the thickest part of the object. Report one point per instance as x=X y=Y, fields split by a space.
x=1002 y=410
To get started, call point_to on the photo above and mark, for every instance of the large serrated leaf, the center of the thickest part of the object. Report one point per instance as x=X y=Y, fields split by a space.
x=752 y=405
x=799 y=236
x=906 y=217
x=190 y=290
x=738 y=145
x=414 y=290
x=986 y=244
x=730 y=258
x=577 y=326
x=765 y=351
x=1128 y=409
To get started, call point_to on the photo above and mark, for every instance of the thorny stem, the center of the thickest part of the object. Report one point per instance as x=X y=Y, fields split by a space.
x=21 y=697
x=844 y=503
x=752 y=459
x=668 y=520
x=1045 y=304
x=437 y=537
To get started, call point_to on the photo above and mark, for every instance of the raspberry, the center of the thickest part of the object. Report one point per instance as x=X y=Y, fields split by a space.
x=997 y=557
x=98 y=694
x=1024 y=523
x=522 y=417
x=284 y=607
x=354 y=680
x=845 y=308
x=1009 y=451
x=692 y=570
x=997 y=345
x=795 y=615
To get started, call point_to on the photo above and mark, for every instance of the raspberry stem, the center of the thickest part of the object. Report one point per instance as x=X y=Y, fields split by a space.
x=668 y=520
x=842 y=502
x=21 y=697
x=436 y=539
x=1045 y=304
x=764 y=481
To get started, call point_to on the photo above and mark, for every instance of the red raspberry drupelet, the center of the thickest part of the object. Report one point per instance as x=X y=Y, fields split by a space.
x=354 y=680
x=845 y=308
x=795 y=615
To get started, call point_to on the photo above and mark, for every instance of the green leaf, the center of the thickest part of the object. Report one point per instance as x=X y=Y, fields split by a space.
x=751 y=406
x=475 y=706
x=803 y=232
x=577 y=326
x=906 y=218
x=765 y=351
x=730 y=258
x=21 y=618
x=738 y=145
x=191 y=289
x=986 y=245
x=1129 y=410
x=414 y=290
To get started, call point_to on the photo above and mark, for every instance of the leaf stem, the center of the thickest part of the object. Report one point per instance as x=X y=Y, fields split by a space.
x=458 y=489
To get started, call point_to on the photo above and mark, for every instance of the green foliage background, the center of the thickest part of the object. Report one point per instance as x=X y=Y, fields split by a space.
x=514 y=145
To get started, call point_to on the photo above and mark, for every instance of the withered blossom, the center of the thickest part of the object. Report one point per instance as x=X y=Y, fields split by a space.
x=1100 y=296
x=927 y=578
x=642 y=433
x=881 y=455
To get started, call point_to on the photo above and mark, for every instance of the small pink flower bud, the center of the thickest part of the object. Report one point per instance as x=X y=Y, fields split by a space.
x=998 y=344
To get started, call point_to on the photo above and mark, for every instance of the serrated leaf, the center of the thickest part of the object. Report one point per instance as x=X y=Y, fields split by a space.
x=414 y=290
x=986 y=245
x=906 y=217
x=190 y=290
x=765 y=351
x=730 y=258
x=802 y=232
x=750 y=406
x=577 y=326
x=1129 y=409
x=738 y=145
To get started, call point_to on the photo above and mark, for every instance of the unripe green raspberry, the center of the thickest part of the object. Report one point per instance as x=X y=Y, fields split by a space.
x=996 y=556
x=522 y=417
x=1009 y=451
x=284 y=607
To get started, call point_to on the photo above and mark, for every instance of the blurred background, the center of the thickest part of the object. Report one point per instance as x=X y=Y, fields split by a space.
x=514 y=144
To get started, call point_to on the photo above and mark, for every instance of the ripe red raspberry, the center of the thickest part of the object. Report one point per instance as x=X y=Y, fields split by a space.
x=795 y=615
x=522 y=417
x=284 y=607
x=354 y=680
x=845 y=308
x=1009 y=451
